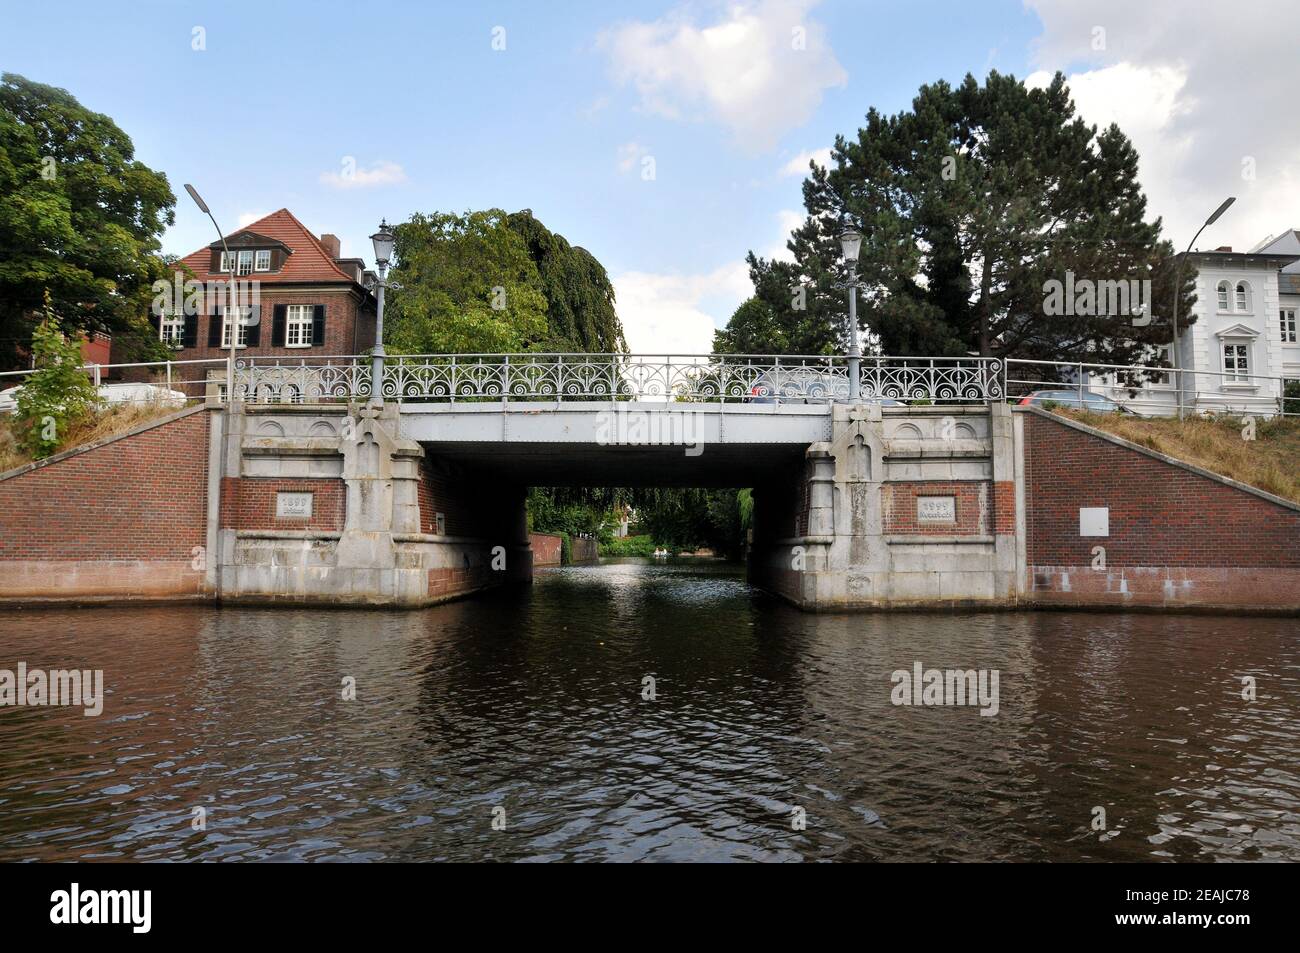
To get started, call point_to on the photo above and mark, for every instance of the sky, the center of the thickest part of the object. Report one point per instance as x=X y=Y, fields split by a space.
x=667 y=138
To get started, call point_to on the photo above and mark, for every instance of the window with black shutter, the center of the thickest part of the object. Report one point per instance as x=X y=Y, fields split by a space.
x=277 y=326
x=318 y=326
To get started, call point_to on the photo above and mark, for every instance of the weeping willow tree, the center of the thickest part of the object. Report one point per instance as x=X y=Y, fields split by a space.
x=580 y=309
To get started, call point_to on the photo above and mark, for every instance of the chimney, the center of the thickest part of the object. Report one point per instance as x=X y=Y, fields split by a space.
x=1220 y=248
x=331 y=243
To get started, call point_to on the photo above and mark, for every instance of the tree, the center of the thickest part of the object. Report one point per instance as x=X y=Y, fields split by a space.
x=466 y=285
x=579 y=296
x=970 y=204
x=790 y=313
x=753 y=329
x=80 y=218
x=58 y=394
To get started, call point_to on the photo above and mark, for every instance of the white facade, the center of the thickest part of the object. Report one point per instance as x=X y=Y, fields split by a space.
x=1246 y=337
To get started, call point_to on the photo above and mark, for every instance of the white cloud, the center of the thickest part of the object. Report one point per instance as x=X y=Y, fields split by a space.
x=664 y=313
x=248 y=218
x=678 y=313
x=381 y=172
x=760 y=69
x=799 y=164
x=1204 y=94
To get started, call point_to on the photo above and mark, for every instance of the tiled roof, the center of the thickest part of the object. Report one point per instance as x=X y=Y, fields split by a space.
x=1288 y=284
x=309 y=261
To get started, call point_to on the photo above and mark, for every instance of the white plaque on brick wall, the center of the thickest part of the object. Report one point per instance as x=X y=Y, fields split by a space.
x=936 y=509
x=293 y=506
x=1094 y=521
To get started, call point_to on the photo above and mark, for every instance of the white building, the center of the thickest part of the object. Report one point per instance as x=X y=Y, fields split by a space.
x=1246 y=338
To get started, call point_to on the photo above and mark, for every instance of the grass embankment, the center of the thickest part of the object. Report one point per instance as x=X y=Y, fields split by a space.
x=108 y=421
x=1270 y=462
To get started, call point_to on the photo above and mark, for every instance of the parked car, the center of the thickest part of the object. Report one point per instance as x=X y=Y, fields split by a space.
x=110 y=394
x=805 y=385
x=1092 y=401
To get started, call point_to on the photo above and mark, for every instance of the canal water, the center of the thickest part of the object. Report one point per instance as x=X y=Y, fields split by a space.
x=520 y=727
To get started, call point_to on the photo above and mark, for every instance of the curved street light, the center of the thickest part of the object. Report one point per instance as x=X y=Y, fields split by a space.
x=1178 y=293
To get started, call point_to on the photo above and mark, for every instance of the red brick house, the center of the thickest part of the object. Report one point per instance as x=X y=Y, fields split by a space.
x=312 y=302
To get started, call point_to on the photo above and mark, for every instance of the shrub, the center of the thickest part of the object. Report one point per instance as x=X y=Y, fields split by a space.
x=57 y=395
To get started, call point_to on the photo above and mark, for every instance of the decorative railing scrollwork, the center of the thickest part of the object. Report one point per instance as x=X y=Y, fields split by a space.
x=736 y=378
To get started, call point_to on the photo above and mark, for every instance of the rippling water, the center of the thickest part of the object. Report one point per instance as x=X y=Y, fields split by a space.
x=532 y=702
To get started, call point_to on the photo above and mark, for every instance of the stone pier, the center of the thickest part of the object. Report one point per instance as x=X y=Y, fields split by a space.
x=901 y=508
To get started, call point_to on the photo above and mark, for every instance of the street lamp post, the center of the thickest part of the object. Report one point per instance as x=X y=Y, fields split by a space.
x=850 y=245
x=383 y=242
x=233 y=311
x=1178 y=293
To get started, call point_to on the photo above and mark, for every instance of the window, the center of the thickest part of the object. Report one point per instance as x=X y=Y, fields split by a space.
x=1288 y=326
x=171 y=329
x=245 y=262
x=1223 y=296
x=242 y=340
x=1243 y=296
x=263 y=260
x=298 y=325
x=225 y=265
x=1236 y=363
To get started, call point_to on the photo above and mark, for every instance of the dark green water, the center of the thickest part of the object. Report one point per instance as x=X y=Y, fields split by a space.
x=532 y=703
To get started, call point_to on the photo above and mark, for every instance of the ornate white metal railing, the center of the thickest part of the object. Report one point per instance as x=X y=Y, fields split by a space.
x=691 y=377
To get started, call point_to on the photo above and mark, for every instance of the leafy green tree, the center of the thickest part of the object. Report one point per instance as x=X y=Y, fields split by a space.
x=789 y=313
x=58 y=394
x=579 y=296
x=467 y=285
x=753 y=329
x=970 y=203
x=80 y=218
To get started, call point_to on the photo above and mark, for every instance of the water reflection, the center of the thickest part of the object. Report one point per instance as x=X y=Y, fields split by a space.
x=532 y=702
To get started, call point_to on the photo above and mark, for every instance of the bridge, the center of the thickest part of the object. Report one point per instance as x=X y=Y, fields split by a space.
x=889 y=497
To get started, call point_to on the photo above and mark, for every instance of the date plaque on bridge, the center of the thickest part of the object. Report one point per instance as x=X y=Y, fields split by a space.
x=293 y=506
x=936 y=509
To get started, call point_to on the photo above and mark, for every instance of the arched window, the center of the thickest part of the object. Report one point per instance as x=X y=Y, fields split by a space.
x=1224 y=296
x=1243 y=296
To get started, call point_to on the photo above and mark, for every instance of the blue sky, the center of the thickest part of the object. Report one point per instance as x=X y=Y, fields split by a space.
x=721 y=97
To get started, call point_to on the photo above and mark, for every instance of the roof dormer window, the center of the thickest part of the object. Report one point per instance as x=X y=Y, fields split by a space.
x=263 y=260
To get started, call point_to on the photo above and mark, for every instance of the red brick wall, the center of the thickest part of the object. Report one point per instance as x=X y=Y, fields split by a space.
x=1004 y=507
x=546 y=549
x=141 y=497
x=1160 y=514
x=455 y=496
x=249 y=503
x=971 y=499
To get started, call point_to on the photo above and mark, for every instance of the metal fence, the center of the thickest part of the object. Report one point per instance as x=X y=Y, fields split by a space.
x=1150 y=390
x=747 y=378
